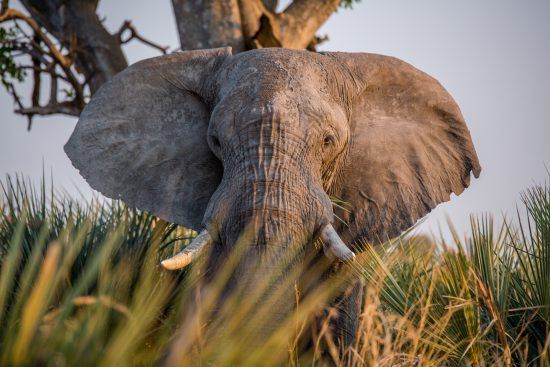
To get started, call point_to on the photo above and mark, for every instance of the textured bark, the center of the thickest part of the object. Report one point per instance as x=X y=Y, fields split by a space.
x=99 y=55
x=302 y=19
x=208 y=24
x=295 y=27
x=249 y=24
x=251 y=13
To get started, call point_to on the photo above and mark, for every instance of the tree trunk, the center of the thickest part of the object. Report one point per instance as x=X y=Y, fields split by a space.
x=208 y=24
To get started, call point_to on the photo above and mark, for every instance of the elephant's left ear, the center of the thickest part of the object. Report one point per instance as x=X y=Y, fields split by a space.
x=410 y=146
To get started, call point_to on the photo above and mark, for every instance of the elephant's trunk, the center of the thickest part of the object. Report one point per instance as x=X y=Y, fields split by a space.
x=269 y=208
x=269 y=190
x=273 y=223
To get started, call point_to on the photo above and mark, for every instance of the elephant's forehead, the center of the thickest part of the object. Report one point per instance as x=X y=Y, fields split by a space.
x=286 y=85
x=275 y=59
x=302 y=114
x=267 y=72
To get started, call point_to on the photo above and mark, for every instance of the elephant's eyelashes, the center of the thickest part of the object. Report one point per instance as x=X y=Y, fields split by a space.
x=215 y=145
x=214 y=142
x=329 y=140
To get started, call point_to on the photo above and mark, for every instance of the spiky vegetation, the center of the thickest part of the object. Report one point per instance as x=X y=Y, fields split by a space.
x=80 y=284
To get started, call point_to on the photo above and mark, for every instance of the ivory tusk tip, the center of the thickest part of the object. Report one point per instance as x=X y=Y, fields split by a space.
x=175 y=264
x=350 y=257
x=168 y=265
x=335 y=247
x=165 y=264
x=346 y=256
x=186 y=256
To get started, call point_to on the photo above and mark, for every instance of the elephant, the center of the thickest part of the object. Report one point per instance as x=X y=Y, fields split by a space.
x=264 y=140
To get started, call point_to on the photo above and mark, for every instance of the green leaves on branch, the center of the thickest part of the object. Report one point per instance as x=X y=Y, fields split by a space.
x=10 y=71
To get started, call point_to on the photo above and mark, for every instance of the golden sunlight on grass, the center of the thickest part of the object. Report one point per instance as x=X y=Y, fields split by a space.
x=82 y=285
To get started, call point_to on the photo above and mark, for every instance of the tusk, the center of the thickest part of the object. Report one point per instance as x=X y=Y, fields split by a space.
x=190 y=253
x=334 y=246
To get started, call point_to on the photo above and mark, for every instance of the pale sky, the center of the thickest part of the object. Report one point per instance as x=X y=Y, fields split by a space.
x=493 y=56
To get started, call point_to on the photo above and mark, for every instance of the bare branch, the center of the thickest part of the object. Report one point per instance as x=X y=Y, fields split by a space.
x=75 y=48
x=67 y=108
x=317 y=40
x=53 y=90
x=44 y=70
x=36 y=76
x=32 y=52
x=128 y=26
x=15 y=96
x=17 y=99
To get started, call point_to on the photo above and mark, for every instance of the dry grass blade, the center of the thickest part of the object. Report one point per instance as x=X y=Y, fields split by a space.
x=35 y=307
x=84 y=280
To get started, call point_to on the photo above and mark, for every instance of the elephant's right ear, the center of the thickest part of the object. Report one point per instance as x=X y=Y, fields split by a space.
x=142 y=137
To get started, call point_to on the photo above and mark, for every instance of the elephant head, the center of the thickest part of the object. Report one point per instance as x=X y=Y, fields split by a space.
x=261 y=140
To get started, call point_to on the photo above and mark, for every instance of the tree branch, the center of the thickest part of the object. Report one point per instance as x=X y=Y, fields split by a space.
x=295 y=27
x=53 y=90
x=128 y=26
x=36 y=75
x=70 y=108
x=15 y=96
x=46 y=70
x=302 y=18
x=317 y=40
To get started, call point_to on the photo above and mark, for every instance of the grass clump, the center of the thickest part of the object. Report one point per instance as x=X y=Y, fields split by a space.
x=80 y=284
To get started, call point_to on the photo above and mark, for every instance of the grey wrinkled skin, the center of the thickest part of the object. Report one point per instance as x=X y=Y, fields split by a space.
x=259 y=141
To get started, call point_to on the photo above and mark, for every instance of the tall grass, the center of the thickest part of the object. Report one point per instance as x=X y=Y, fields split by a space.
x=80 y=285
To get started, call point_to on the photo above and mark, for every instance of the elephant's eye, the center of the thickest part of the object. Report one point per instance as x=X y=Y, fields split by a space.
x=329 y=140
x=215 y=141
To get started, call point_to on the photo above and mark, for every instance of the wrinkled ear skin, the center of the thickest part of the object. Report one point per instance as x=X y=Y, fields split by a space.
x=142 y=137
x=410 y=147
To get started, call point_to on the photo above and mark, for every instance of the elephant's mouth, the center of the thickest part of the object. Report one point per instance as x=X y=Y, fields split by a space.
x=333 y=247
